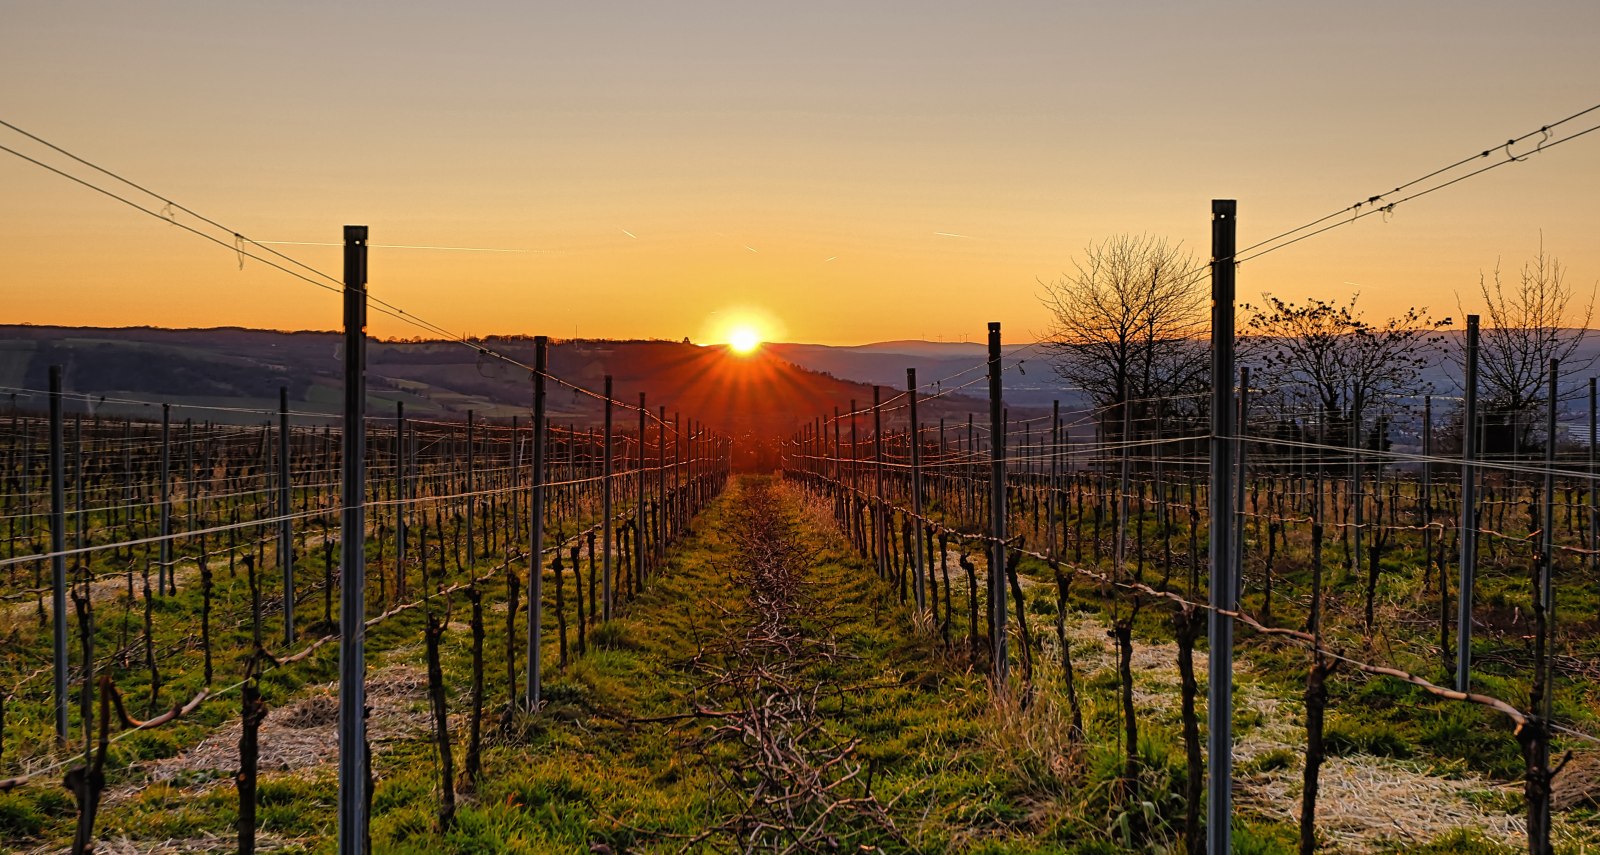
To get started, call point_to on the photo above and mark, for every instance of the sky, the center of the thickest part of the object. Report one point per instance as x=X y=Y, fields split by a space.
x=833 y=172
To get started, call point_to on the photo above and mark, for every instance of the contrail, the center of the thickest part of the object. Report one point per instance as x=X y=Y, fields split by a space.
x=749 y=247
x=629 y=234
x=829 y=258
x=394 y=246
x=952 y=234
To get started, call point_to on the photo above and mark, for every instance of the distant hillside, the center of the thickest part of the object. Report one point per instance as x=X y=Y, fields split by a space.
x=1034 y=386
x=755 y=398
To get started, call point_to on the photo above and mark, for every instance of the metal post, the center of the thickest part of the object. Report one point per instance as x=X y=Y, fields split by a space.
x=400 y=500
x=837 y=451
x=1594 y=505
x=605 y=509
x=58 y=545
x=661 y=488
x=1469 y=522
x=189 y=489
x=1055 y=476
x=920 y=587
x=679 y=509
x=80 y=525
x=353 y=762
x=1358 y=497
x=997 y=512
x=285 y=525
x=1125 y=478
x=1224 y=593
x=1241 y=481
x=536 y=529
x=472 y=460
x=1547 y=520
x=971 y=470
x=165 y=551
x=878 y=538
x=516 y=464
x=1426 y=514
x=639 y=517
x=855 y=455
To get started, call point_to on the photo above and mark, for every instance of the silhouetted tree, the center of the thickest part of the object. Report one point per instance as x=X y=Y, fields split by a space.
x=1528 y=325
x=1130 y=321
x=1329 y=353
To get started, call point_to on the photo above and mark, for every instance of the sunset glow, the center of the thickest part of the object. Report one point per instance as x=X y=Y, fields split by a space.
x=744 y=340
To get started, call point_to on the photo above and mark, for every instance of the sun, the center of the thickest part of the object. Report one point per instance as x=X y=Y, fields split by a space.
x=744 y=340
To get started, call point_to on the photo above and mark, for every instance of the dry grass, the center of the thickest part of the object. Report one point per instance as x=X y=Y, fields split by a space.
x=190 y=846
x=1366 y=804
x=303 y=734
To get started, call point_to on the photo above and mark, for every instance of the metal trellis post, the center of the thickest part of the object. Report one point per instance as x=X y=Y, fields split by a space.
x=1224 y=592
x=353 y=764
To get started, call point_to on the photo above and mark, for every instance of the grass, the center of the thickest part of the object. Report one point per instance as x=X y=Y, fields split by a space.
x=956 y=770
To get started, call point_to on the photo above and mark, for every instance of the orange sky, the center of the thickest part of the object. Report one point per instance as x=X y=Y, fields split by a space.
x=804 y=162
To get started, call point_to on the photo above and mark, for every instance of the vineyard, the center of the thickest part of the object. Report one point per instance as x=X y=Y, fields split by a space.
x=204 y=567
x=1215 y=615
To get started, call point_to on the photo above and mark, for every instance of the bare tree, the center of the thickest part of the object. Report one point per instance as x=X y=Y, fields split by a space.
x=1529 y=325
x=1332 y=354
x=1128 y=324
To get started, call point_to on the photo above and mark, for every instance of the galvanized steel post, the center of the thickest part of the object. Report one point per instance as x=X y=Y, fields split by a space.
x=1224 y=591
x=997 y=512
x=285 y=525
x=605 y=509
x=353 y=764
x=536 y=529
x=58 y=545
x=1469 y=516
x=920 y=585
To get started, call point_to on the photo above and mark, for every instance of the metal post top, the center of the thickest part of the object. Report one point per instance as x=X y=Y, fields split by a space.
x=357 y=234
x=1224 y=207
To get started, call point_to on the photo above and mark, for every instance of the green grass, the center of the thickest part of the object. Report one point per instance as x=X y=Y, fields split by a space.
x=957 y=770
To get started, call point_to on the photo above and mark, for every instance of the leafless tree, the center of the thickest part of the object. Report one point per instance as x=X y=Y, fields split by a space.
x=1331 y=354
x=1530 y=323
x=1128 y=324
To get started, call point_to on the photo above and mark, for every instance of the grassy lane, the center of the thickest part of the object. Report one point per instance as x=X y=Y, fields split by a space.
x=763 y=694
x=762 y=651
